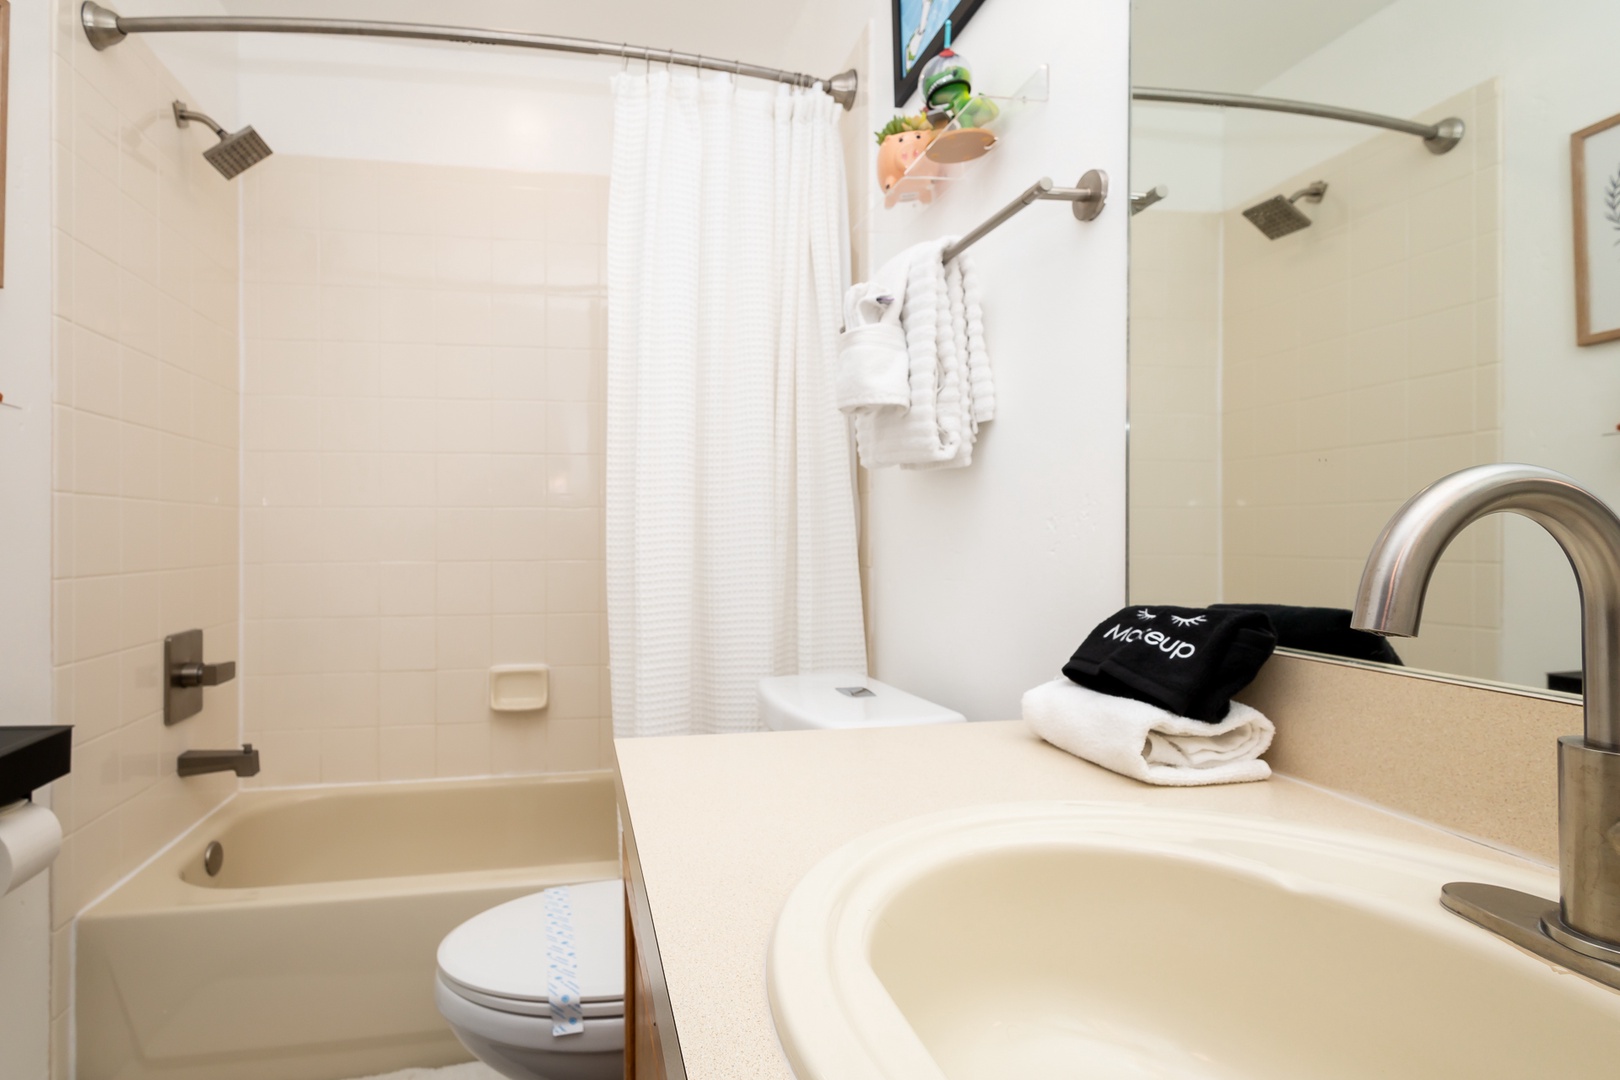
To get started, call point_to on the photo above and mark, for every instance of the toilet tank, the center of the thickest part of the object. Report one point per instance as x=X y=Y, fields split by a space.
x=842 y=699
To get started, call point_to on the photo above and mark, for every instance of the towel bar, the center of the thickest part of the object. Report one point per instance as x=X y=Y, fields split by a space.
x=1088 y=198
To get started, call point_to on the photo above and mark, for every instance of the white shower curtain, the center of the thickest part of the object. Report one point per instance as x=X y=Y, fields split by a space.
x=730 y=511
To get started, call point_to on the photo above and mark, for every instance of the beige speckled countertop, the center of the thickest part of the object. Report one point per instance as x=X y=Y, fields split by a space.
x=726 y=825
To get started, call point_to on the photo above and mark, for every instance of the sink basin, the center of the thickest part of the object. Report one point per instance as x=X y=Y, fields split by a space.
x=1068 y=940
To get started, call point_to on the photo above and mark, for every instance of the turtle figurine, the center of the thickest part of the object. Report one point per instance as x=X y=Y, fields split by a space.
x=947 y=86
x=947 y=83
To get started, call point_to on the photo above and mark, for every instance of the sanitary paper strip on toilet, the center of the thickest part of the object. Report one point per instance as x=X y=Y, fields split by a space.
x=562 y=964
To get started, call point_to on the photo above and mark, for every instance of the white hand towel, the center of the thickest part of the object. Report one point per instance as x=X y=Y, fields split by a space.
x=950 y=384
x=1148 y=743
x=873 y=368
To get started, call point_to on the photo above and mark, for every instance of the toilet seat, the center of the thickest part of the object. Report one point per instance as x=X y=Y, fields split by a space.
x=496 y=961
x=503 y=1028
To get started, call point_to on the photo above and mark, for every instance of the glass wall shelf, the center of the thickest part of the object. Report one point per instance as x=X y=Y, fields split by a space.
x=944 y=163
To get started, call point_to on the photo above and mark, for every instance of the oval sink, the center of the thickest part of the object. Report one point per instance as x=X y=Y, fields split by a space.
x=1060 y=940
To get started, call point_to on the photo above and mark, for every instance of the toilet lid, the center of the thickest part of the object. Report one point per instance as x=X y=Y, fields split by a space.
x=501 y=953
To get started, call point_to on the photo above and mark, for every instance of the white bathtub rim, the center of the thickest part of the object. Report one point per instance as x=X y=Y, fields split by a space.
x=421 y=781
x=249 y=791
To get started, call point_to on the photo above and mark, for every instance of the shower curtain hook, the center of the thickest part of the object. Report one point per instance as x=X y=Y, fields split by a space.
x=624 y=54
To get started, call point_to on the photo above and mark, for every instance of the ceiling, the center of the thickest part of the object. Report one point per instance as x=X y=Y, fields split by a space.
x=746 y=30
x=1233 y=45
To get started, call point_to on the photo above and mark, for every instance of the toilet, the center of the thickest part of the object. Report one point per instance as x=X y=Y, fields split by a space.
x=491 y=987
x=843 y=699
x=491 y=984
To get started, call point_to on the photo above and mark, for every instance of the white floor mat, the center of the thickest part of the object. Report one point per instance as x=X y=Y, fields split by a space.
x=473 y=1070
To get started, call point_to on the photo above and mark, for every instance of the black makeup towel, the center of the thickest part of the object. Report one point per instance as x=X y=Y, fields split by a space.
x=1320 y=630
x=1187 y=660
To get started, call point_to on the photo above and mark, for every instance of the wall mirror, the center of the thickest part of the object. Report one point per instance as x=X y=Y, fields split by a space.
x=1327 y=316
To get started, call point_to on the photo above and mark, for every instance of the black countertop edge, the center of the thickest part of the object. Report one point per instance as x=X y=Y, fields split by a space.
x=31 y=757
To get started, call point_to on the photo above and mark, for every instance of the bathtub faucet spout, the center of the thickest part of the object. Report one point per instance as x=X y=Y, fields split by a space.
x=243 y=762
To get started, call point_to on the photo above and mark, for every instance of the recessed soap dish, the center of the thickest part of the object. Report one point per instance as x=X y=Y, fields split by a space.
x=519 y=687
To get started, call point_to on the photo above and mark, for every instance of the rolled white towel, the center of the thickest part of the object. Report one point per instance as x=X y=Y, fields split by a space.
x=874 y=369
x=1147 y=743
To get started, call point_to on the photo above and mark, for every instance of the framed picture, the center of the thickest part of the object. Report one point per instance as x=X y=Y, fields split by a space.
x=919 y=34
x=5 y=106
x=1595 y=157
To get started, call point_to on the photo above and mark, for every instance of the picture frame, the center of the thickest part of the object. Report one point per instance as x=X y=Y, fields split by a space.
x=1595 y=172
x=912 y=19
x=5 y=109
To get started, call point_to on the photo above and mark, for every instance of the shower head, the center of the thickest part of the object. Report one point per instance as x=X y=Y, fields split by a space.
x=1278 y=216
x=234 y=153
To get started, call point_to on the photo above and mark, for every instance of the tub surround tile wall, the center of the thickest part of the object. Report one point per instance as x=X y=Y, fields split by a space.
x=146 y=444
x=423 y=466
x=1361 y=362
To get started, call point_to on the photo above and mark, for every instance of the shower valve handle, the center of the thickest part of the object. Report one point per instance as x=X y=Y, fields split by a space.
x=203 y=674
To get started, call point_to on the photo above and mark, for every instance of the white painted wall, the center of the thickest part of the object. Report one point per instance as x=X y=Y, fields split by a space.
x=25 y=511
x=985 y=580
x=1183 y=148
x=205 y=64
x=429 y=104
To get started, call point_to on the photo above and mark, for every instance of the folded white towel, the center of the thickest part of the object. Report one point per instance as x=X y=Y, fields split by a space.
x=950 y=384
x=1146 y=742
x=873 y=368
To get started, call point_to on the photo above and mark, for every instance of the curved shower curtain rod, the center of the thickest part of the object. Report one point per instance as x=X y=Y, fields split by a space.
x=106 y=28
x=1439 y=138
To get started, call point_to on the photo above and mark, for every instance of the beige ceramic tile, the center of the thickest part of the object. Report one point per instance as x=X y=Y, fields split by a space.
x=147 y=357
x=422 y=381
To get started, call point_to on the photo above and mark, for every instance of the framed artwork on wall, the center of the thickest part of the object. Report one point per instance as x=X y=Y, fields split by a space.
x=919 y=34
x=5 y=106
x=1595 y=161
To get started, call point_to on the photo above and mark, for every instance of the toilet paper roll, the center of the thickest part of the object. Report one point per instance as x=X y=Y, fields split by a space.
x=30 y=838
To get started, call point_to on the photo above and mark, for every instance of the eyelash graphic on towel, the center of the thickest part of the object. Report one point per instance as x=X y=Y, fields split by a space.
x=1144 y=614
x=1187 y=620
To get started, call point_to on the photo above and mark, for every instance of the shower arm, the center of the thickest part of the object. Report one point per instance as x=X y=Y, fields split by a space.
x=184 y=116
x=1439 y=138
x=106 y=28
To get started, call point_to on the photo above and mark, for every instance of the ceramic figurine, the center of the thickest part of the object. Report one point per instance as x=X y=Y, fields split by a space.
x=947 y=82
x=900 y=143
x=947 y=85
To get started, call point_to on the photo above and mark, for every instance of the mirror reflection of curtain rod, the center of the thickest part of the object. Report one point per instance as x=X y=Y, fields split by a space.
x=106 y=28
x=1439 y=138
x=1141 y=200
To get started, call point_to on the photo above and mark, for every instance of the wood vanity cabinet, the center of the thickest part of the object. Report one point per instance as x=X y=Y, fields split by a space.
x=643 y=1049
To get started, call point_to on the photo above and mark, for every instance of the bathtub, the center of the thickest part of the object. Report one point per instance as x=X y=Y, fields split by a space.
x=310 y=955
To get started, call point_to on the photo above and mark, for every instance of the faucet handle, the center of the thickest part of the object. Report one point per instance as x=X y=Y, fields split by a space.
x=203 y=674
x=185 y=674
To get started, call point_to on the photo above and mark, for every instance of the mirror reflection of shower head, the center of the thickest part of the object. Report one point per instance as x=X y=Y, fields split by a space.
x=234 y=153
x=1278 y=216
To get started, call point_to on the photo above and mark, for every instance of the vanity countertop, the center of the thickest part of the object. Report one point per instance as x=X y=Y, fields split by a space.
x=724 y=826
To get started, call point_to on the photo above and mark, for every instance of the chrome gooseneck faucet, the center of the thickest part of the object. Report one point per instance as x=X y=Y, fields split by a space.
x=1582 y=931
